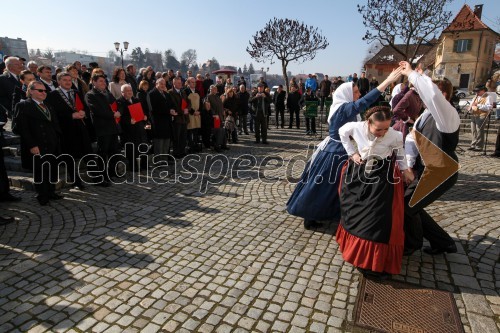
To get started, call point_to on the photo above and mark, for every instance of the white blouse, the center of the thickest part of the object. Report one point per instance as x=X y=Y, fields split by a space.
x=370 y=145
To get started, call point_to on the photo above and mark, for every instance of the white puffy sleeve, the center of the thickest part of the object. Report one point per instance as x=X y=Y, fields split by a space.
x=445 y=115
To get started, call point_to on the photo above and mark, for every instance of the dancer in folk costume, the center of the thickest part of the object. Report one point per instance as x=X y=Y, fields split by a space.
x=315 y=197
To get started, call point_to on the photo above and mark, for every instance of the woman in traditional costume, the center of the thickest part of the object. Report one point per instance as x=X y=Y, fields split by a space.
x=370 y=234
x=315 y=197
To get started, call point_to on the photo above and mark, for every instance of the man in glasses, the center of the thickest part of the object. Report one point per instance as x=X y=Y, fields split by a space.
x=39 y=129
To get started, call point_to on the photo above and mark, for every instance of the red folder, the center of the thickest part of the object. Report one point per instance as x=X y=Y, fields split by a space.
x=78 y=103
x=136 y=112
x=114 y=107
x=184 y=104
x=216 y=122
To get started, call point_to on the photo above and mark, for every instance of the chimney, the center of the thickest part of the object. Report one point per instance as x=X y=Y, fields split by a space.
x=478 y=10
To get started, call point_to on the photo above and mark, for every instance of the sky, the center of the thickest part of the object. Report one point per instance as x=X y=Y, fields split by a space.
x=220 y=29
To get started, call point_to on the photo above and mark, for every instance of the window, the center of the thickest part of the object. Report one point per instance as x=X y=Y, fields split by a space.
x=380 y=72
x=462 y=45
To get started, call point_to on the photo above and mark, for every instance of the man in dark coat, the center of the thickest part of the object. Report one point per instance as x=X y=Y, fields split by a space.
x=5 y=196
x=45 y=76
x=363 y=84
x=101 y=104
x=292 y=103
x=75 y=140
x=325 y=89
x=181 y=117
x=8 y=81
x=130 y=78
x=260 y=103
x=243 y=97
x=207 y=83
x=40 y=141
x=160 y=105
x=279 y=105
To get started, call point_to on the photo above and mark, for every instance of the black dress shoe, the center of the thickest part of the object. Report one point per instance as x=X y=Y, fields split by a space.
x=9 y=197
x=43 y=201
x=375 y=276
x=408 y=252
x=55 y=196
x=104 y=184
x=449 y=249
x=6 y=220
x=265 y=142
x=494 y=155
x=225 y=147
x=257 y=141
x=311 y=224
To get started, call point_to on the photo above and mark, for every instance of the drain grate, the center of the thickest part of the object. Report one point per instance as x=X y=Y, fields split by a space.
x=396 y=307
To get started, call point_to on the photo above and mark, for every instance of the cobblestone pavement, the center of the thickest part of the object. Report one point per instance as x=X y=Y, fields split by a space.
x=168 y=258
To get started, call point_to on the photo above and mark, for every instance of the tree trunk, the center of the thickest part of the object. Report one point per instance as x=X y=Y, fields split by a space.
x=285 y=75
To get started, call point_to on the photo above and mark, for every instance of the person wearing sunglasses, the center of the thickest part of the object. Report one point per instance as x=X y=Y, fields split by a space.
x=39 y=130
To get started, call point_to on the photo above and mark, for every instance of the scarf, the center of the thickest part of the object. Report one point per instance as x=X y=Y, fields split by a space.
x=343 y=94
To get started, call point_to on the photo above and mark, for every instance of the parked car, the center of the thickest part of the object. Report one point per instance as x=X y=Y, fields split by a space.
x=273 y=89
x=461 y=92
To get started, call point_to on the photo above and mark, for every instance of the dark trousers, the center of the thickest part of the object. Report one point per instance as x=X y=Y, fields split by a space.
x=252 y=122
x=280 y=112
x=4 y=180
x=45 y=176
x=206 y=135
x=419 y=224
x=322 y=103
x=260 y=127
x=242 y=126
x=311 y=124
x=297 y=117
x=107 y=146
x=180 y=139
x=193 y=136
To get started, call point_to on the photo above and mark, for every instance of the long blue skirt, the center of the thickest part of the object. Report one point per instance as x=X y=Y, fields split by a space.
x=316 y=196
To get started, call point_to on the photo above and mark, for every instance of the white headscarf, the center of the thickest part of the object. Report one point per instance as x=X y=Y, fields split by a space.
x=343 y=94
x=397 y=89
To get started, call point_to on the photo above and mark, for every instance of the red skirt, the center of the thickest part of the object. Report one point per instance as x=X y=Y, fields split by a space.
x=370 y=234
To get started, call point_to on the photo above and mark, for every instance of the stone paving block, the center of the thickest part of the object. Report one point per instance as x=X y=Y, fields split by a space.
x=482 y=324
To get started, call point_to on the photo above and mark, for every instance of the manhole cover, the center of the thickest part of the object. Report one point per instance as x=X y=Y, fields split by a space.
x=396 y=307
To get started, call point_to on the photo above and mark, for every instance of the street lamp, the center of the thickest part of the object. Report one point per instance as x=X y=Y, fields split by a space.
x=125 y=47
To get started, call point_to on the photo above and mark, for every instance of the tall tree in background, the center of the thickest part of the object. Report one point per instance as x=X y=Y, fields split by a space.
x=251 y=70
x=137 y=57
x=49 y=55
x=409 y=22
x=171 y=61
x=287 y=40
x=189 y=57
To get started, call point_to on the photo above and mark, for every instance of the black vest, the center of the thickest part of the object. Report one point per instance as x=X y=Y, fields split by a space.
x=447 y=142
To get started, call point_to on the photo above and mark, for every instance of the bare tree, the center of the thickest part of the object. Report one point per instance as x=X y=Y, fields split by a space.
x=411 y=21
x=373 y=49
x=189 y=57
x=287 y=40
